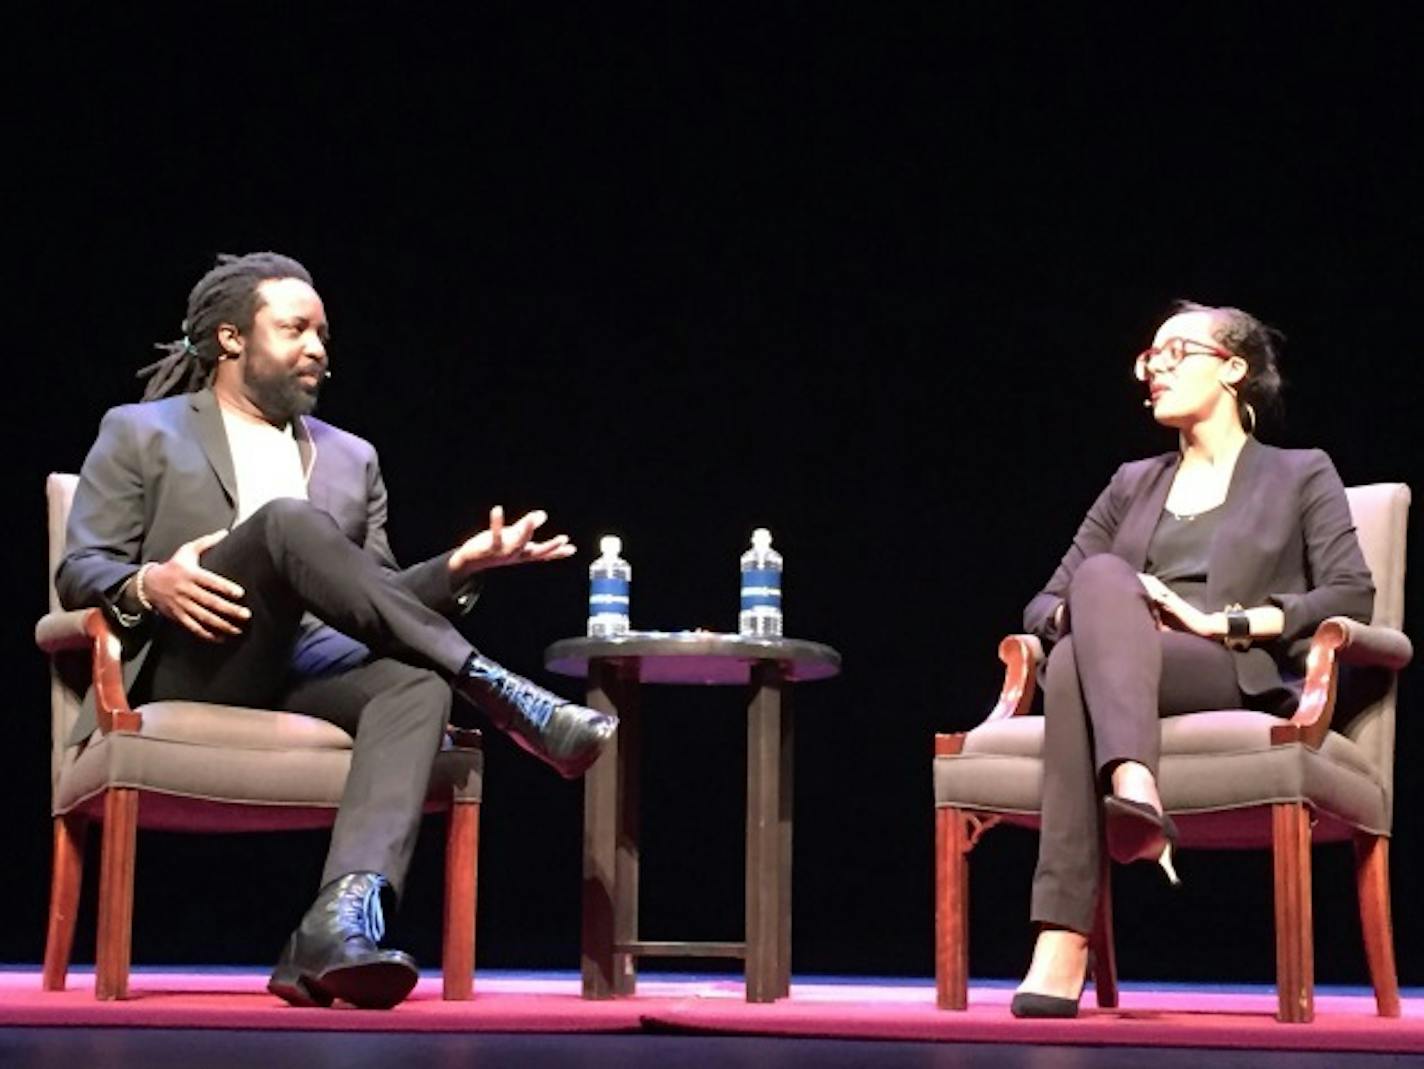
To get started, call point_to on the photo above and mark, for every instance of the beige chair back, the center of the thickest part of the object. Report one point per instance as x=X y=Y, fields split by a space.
x=59 y=493
x=68 y=676
x=1381 y=514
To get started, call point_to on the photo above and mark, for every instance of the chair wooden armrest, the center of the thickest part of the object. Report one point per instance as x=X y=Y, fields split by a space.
x=1338 y=640
x=1020 y=654
x=464 y=738
x=57 y=632
x=1370 y=644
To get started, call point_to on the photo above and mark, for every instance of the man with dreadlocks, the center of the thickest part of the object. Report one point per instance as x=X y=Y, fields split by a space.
x=239 y=547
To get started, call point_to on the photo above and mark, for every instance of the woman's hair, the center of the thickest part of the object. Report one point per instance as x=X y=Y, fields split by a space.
x=1254 y=342
x=226 y=294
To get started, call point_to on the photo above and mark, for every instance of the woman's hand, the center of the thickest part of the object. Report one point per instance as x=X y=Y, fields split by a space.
x=1175 y=614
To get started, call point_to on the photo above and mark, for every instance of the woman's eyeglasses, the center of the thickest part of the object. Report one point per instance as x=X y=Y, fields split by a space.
x=1170 y=353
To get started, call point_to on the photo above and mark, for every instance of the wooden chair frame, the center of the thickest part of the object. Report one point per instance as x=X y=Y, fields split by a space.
x=72 y=633
x=957 y=831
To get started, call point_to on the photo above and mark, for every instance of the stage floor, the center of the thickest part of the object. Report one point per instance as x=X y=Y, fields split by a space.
x=87 y=1048
x=223 y=1018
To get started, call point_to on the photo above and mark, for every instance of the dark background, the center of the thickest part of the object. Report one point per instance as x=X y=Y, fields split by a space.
x=871 y=278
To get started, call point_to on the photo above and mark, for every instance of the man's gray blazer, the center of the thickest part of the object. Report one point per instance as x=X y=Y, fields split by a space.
x=160 y=474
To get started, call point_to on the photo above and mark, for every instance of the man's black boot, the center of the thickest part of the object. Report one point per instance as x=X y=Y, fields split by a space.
x=333 y=953
x=568 y=737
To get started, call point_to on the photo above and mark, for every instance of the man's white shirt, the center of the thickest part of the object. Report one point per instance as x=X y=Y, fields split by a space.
x=265 y=460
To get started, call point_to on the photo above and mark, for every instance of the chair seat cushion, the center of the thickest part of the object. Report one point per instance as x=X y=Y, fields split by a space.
x=224 y=768
x=239 y=727
x=1212 y=763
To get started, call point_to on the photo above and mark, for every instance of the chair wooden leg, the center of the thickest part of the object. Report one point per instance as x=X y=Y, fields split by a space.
x=462 y=848
x=1100 y=943
x=1295 y=941
x=1372 y=883
x=951 y=909
x=70 y=832
x=116 y=893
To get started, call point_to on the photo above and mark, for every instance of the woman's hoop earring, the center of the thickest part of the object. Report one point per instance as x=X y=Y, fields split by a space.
x=1244 y=408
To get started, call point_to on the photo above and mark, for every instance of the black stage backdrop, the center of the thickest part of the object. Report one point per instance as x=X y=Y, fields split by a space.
x=872 y=279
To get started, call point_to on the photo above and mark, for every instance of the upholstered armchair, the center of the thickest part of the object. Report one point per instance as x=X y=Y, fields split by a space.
x=190 y=766
x=1231 y=778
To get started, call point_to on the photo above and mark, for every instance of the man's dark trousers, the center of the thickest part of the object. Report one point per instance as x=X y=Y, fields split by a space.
x=387 y=684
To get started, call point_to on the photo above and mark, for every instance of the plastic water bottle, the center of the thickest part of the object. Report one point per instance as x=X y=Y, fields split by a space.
x=610 y=578
x=761 y=588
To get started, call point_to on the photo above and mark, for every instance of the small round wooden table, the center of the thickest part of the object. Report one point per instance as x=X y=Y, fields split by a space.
x=615 y=668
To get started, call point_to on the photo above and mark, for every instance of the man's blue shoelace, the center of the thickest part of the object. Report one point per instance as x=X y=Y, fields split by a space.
x=535 y=703
x=365 y=913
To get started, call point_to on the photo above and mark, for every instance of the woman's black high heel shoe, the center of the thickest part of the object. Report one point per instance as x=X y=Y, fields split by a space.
x=1032 y=1004
x=1137 y=832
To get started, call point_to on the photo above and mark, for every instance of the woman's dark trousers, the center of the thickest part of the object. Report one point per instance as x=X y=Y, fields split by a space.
x=1107 y=683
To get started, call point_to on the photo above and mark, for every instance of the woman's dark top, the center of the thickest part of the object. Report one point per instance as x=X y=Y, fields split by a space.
x=1180 y=553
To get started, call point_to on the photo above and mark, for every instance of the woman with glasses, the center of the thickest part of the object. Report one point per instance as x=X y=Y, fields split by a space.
x=1195 y=582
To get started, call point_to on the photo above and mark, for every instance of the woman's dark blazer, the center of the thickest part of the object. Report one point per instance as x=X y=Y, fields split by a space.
x=1286 y=539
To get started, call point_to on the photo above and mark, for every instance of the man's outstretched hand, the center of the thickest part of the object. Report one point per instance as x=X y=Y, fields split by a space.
x=183 y=590
x=503 y=544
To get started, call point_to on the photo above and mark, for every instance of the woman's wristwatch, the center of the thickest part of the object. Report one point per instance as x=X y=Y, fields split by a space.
x=1238 y=629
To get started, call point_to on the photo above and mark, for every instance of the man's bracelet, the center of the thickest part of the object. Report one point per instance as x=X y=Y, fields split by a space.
x=139 y=591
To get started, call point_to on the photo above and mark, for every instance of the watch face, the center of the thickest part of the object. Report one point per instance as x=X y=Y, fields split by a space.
x=1238 y=628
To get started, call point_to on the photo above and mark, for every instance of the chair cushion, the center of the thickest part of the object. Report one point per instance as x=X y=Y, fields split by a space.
x=222 y=768
x=236 y=726
x=1212 y=763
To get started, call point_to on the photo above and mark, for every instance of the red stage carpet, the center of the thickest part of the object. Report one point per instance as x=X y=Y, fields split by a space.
x=899 y=1011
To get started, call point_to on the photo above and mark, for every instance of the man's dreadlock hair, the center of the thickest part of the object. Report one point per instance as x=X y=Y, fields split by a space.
x=226 y=294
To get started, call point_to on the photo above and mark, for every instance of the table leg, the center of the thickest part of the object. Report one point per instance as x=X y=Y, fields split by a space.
x=764 y=834
x=788 y=753
x=625 y=872
x=601 y=834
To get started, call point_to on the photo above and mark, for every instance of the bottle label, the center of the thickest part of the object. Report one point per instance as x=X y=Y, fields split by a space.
x=761 y=588
x=607 y=595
